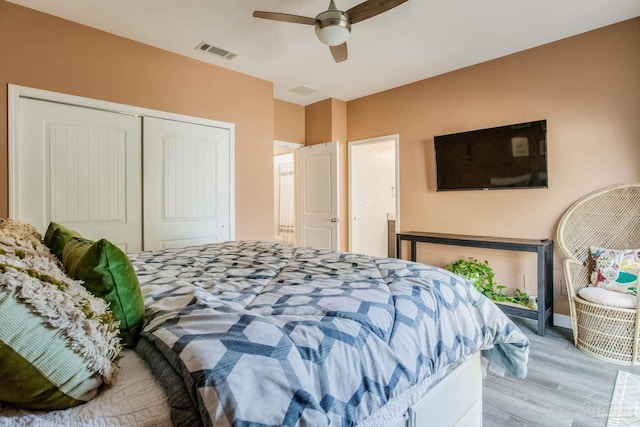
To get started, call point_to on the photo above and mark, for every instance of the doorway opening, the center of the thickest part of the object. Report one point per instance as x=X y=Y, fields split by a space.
x=374 y=203
x=284 y=192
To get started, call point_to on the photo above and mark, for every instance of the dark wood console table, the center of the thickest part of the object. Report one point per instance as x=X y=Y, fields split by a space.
x=544 y=249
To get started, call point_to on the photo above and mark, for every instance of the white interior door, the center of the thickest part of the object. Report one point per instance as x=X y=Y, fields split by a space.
x=79 y=167
x=187 y=182
x=318 y=196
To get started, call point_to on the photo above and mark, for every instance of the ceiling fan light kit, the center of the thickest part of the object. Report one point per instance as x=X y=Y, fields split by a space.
x=333 y=26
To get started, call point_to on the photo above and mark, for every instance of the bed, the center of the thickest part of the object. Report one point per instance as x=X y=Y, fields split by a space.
x=249 y=333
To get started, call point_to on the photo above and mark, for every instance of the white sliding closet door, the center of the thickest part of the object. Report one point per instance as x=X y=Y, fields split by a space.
x=187 y=184
x=79 y=167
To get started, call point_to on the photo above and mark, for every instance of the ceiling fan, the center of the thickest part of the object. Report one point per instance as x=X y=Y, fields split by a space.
x=333 y=26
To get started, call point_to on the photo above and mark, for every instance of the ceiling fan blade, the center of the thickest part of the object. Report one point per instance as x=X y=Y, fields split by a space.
x=371 y=8
x=339 y=52
x=285 y=17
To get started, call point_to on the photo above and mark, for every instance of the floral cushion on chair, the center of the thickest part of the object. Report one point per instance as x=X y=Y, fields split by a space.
x=615 y=269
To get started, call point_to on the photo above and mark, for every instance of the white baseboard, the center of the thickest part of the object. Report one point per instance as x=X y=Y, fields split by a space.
x=562 y=320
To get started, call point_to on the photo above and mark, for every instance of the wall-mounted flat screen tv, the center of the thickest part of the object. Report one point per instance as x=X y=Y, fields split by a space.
x=504 y=157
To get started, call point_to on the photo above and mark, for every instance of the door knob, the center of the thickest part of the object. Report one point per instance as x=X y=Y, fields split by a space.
x=334 y=219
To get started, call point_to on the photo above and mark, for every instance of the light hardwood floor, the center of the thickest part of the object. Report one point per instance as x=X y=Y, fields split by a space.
x=565 y=387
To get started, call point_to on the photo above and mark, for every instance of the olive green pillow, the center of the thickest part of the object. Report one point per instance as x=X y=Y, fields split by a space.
x=57 y=236
x=107 y=273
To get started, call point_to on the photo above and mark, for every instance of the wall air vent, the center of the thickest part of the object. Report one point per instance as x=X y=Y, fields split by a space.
x=209 y=48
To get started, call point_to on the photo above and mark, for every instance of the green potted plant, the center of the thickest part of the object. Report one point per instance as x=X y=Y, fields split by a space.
x=482 y=277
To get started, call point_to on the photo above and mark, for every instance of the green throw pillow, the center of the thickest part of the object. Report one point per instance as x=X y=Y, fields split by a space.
x=57 y=341
x=107 y=273
x=57 y=236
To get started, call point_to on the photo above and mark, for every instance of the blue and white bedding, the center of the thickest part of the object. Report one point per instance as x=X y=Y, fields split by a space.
x=268 y=334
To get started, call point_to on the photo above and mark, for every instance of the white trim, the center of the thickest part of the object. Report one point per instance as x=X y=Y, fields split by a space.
x=294 y=145
x=337 y=166
x=396 y=139
x=12 y=157
x=15 y=92
x=562 y=320
x=80 y=101
x=232 y=181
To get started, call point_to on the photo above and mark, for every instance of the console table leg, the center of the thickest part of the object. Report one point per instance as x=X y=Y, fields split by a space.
x=549 y=283
x=542 y=291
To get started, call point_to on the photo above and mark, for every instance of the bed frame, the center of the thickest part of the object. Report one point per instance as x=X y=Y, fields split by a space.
x=455 y=401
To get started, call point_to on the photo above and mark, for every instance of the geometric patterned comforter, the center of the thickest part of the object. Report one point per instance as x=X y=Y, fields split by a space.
x=268 y=334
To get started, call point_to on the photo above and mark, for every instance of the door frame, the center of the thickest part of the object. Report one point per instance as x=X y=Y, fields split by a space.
x=351 y=144
x=292 y=145
x=16 y=92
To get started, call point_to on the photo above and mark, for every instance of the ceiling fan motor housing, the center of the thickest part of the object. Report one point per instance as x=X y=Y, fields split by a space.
x=333 y=27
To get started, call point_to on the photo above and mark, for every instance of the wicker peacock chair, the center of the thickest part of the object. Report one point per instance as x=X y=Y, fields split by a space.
x=607 y=218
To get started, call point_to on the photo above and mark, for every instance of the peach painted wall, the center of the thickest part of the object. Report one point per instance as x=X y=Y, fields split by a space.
x=318 y=122
x=45 y=52
x=288 y=121
x=588 y=89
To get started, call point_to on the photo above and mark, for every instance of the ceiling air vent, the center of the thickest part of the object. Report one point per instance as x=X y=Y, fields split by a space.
x=304 y=90
x=209 y=48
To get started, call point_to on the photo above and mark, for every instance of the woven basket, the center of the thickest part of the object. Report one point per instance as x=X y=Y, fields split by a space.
x=607 y=218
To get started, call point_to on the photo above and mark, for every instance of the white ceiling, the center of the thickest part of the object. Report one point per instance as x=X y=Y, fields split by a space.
x=416 y=40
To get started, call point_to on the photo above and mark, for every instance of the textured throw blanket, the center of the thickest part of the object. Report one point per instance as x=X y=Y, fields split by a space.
x=268 y=334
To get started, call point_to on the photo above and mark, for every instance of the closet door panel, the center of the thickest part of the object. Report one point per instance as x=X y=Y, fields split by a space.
x=80 y=167
x=186 y=184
